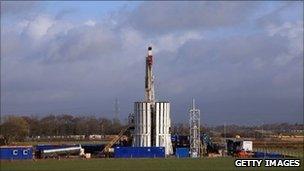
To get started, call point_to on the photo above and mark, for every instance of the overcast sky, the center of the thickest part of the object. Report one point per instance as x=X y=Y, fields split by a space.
x=241 y=61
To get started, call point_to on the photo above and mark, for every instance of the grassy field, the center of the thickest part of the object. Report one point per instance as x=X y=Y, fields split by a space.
x=128 y=165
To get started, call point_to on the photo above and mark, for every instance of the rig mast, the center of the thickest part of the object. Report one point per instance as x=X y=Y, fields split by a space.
x=149 y=79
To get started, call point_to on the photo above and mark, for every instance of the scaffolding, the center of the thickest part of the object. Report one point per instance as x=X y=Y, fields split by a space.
x=194 y=123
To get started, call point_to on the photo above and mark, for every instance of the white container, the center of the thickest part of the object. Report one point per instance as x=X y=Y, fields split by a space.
x=143 y=119
x=87 y=155
x=247 y=145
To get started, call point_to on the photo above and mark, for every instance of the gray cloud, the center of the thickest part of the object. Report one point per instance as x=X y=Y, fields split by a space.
x=163 y=17
x=237 y=75
x=289 y=9
x=19 y=8
x=64 y=13
x=53 y=65
x=83 y=43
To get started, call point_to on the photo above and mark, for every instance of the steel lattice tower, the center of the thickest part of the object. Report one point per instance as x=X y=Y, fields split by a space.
x=194 y=123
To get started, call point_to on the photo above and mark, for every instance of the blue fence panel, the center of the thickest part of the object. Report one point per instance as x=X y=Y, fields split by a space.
x=16 y=153
x=158 y=152
x=182 y=152
x=139 y=152
x=267 y=155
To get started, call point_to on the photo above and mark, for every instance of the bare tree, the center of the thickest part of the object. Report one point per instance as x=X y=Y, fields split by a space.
x=14 y=129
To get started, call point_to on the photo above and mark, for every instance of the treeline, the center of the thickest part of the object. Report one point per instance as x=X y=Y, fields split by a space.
x=258 y=131
x=17 y=128
x=274 y=127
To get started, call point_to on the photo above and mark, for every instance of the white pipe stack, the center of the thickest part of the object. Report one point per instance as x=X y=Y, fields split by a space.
x=143 y=128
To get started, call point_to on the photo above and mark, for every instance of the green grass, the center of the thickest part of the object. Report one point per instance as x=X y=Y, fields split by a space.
x=128 y=164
